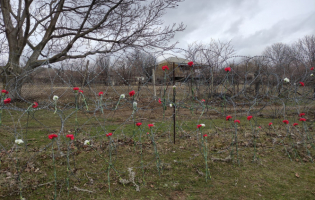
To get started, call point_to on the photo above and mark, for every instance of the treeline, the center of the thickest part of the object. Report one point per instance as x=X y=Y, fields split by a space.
x=276 y=62
x=107 y=70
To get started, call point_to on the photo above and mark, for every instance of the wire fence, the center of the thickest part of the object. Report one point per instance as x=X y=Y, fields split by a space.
x=271 y=99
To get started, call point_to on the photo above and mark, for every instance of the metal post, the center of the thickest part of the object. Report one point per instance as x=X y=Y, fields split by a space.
x=174 y=109
x=153 y=81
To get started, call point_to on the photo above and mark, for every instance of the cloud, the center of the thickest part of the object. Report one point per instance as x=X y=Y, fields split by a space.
x=286 y=31
x=251 y=25
x=235 y=26
x=199 y=14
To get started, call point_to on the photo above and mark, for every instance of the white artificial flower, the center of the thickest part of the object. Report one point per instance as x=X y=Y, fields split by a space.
x=312 y=74
x=87 y=142
x=55 y=98
x=174 y=86
x=286 y=80
x=122 y=96
x=19 y=141
x=171 y=105
x=203 y=125
x=135 y=104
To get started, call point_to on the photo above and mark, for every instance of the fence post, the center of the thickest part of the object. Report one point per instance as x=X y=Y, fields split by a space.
x=153 y=80
x=86 y=72
x=174 y=109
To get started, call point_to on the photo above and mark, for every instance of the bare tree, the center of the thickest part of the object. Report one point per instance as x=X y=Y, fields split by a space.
x=102 y=69
x=49 y=31
x=142 y=63
x=304 y=50
x=75 y=71
x=279 y=55
x=213 y=56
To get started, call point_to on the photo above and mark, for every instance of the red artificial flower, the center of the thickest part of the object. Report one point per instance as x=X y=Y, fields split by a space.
x=301 y=114
x=138 y=124
x=302 y=84
x=150 y=125
x=202 y=100
x=312 y=68
x=165 y=67
x=4 y=92
x=70 y=136
x=259 y=127
x=238 y=121
x=270 y=123
x=8 y=100
x=228 y=117
x=100 y=93
x=205 y=135
x=76 y=88
x=199 y=125
x=160 y=101
x=302 y=119
x=295 y=124
x=109 y=134
x=249 y=118
x=132 y=93
x=227 y=69
x=285 y=121
x=191 y=63
x=81 y=91
x=148 y=133
x=52 y=136
x=35 y=105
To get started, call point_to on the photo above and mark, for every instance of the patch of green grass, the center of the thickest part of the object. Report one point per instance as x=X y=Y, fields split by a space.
x=30 y=170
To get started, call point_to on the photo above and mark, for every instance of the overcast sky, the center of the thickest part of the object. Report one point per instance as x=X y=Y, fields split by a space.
x=251 y=25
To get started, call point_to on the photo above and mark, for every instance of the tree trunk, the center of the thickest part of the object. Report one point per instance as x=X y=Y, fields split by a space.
x=11 y=77
x=85 y=74
x=257 y=81
x=13 y=84
x=212 y=88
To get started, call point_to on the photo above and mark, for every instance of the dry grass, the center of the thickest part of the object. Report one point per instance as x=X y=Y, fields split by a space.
x=271 y=176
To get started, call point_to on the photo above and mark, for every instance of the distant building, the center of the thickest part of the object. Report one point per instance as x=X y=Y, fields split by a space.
x=182 y=70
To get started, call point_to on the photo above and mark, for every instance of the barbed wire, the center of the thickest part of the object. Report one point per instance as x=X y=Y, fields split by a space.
x=240 y=90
